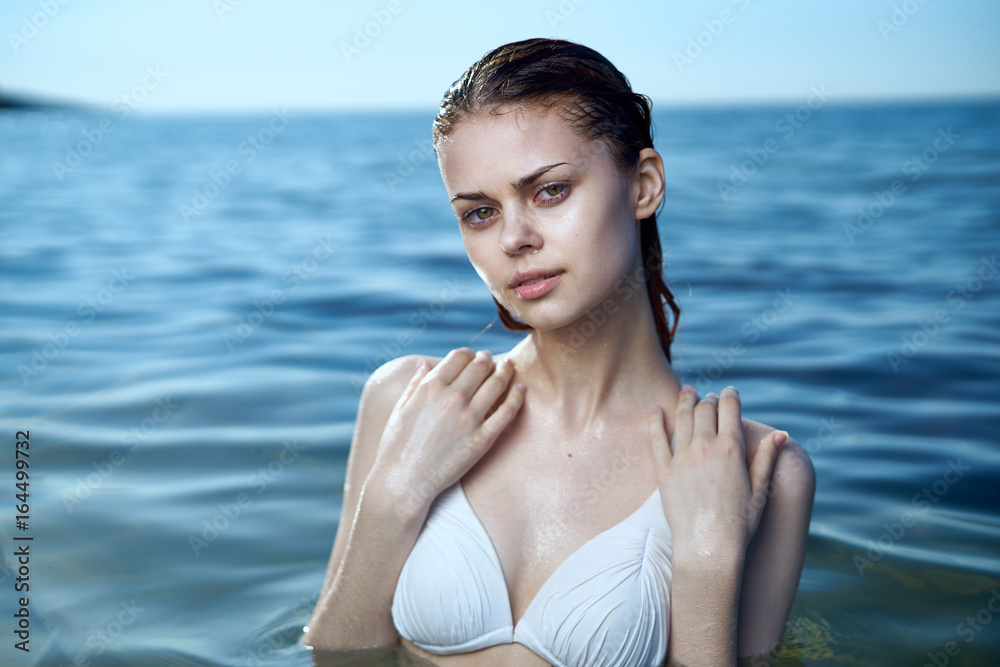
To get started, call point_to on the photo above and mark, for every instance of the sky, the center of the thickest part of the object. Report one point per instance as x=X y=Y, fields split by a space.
x=247 y=55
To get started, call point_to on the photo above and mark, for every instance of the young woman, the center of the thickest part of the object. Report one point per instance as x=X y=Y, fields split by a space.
x=567 y=502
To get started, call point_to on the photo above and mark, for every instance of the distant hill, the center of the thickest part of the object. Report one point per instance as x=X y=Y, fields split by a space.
x=12 y=103
x=8 y=101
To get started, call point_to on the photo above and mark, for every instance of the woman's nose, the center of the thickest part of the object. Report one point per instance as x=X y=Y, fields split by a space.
x=519 y=233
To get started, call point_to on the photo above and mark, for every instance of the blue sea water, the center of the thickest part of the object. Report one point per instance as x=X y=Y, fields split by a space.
x=190 y=305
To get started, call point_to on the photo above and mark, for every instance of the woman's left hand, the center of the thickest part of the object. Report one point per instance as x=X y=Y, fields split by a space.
x=712 y=496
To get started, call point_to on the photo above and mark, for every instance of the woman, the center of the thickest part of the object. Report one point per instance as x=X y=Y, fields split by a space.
x=531 y=509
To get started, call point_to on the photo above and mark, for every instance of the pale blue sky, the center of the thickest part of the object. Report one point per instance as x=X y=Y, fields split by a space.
x=268 y=53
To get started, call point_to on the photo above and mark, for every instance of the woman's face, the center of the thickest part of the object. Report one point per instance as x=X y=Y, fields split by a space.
x=532 y=196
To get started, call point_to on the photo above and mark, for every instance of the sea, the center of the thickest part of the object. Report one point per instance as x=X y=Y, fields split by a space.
x=190 y=305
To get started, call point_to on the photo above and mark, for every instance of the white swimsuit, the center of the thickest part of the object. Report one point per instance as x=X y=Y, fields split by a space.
x=608 y=604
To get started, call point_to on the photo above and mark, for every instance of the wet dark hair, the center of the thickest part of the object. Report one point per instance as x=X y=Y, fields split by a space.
x=598 y=103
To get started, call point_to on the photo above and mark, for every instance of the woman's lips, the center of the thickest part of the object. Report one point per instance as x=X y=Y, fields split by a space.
x=537 y=289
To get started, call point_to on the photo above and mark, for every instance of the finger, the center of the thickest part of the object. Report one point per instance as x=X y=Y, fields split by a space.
x=421 y=371
x=501 y=417
x=763 y=462
x=471 y=377
x=684 y=416
x=662 y=456
x=490 y=391
x=452 y=364
x=730 y=422
x=705 y=416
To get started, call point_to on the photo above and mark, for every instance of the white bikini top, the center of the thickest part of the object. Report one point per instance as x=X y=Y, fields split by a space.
x=608 y=604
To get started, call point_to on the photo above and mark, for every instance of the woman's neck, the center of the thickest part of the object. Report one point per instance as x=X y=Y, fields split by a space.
x=608 y=361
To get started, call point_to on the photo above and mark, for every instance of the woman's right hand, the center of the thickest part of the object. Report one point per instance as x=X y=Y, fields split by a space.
x=402 y=456
x=441 y=425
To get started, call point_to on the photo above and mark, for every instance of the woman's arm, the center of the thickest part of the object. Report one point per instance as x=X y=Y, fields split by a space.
x=765 y=581
x=713 y=504
x=776 y=553
x=327 y=628
x=412 y=423
x=378 y=397
x=704 y=599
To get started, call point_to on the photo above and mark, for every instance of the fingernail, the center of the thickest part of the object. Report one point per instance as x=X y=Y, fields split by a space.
x=712 y=395
x=730 y=391
x=687 y=389
x=780 y=437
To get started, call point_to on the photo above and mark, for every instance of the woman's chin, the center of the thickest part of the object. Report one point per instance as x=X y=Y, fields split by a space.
x=546 y=321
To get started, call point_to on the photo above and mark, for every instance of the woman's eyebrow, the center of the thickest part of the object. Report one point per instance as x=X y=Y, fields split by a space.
x=516 y=185
x=534 y=176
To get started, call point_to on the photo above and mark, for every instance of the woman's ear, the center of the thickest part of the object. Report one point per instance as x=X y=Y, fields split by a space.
x=649 y=183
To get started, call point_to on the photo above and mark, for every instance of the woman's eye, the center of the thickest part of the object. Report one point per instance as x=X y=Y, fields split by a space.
x=553 y=193
x=479 y=214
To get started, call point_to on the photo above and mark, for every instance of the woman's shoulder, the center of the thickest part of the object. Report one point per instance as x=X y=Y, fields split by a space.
x=793 y=473
x=379 y=395
x=387 y=382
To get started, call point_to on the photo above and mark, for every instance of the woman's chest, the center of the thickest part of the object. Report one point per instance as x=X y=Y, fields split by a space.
x=540 y=496
x=453 y=594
